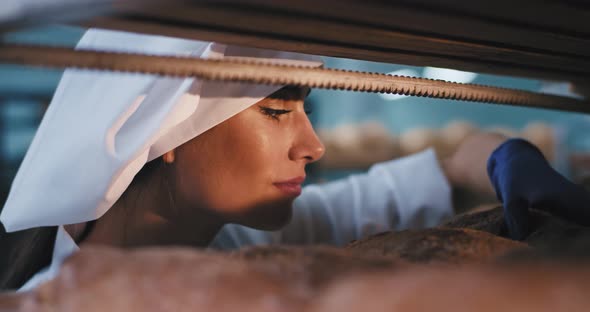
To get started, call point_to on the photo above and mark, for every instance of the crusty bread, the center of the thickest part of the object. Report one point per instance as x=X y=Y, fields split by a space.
x=438 y=245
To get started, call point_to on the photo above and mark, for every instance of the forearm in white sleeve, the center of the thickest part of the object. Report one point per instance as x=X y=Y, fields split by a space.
x=410 y=192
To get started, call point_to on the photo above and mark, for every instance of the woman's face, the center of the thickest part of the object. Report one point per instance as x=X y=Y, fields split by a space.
x=249 y=169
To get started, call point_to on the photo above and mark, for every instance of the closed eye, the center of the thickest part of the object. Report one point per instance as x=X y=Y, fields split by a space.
x=273 y=113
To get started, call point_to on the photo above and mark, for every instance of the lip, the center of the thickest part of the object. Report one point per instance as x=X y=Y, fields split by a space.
x=291 y=187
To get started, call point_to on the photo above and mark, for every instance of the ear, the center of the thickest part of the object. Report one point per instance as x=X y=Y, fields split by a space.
x=168 y=157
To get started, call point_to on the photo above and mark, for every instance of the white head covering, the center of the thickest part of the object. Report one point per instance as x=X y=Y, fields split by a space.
x=102 y=127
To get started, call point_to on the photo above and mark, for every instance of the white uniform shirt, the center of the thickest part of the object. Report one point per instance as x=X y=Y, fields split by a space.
x=411 y=192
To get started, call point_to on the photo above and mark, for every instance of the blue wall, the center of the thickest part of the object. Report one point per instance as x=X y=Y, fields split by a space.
x=338 y=107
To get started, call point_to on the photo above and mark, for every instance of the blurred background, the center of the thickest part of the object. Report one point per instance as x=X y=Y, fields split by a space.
x=358 y=129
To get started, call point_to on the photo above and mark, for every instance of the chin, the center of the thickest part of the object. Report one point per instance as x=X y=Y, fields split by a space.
x=269 y=217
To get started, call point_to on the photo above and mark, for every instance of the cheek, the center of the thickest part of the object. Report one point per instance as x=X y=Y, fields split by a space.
x=247 y=151
x=231 y=168
x=257 y=148
x=257 y=154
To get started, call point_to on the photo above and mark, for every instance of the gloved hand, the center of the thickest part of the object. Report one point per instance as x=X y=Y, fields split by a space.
x=523 y=179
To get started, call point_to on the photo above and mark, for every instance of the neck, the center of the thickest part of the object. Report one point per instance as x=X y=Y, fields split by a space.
x=151 y=221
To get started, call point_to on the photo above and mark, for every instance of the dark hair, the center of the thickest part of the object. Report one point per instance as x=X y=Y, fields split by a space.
x=24 y=253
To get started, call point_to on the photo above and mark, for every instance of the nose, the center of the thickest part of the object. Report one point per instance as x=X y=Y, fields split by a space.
x=307 y=145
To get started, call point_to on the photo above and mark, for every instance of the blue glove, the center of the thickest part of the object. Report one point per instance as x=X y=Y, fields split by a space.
x=523 y=179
